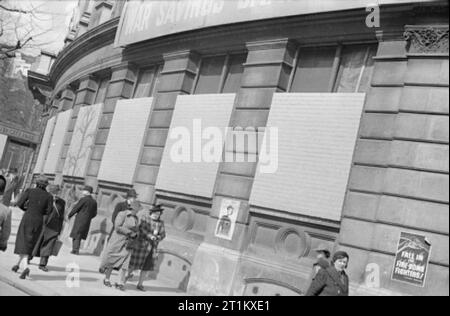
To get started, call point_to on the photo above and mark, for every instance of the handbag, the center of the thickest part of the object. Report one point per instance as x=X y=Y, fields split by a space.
x=57 y=247
x=132 y=243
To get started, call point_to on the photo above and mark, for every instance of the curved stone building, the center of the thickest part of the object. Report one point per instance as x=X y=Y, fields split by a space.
x=332 y=117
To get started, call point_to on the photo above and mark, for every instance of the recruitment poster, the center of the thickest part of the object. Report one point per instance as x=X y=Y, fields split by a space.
x=411 y=259
x=229 y=210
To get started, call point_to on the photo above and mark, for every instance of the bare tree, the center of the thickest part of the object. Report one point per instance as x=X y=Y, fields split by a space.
x=22 y=25
x=86 y=134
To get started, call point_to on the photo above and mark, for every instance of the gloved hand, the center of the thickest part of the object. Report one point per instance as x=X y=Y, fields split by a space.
x=3 y=248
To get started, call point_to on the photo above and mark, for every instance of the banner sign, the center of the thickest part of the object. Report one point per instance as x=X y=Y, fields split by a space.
x=411 y=259
x=146 y=19
x=23 y=135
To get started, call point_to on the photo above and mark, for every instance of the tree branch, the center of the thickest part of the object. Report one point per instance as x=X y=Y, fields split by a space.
x=14 y=10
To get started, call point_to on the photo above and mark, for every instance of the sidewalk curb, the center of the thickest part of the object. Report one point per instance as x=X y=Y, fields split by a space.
x=23 y=288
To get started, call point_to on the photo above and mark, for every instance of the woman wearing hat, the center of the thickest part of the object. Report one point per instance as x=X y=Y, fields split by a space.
x=52 y=228
x=36 y=203
x=332 y=281
x=118 y=251
x=151 y=232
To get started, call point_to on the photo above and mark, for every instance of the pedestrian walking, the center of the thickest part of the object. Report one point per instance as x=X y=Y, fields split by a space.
x=36 y=203
x=130 y=197
x=151 y=233
x=5 y=218
x=323 y=257
x=118 y=251
x=48 y=243
x=12 y=187
x=332 y=281
x=85 y=210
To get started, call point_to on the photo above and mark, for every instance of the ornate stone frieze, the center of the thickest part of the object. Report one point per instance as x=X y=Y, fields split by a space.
x=427 y=39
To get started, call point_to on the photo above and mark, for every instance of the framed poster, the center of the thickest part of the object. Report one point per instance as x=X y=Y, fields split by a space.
x=226 y=223
x=411 y=259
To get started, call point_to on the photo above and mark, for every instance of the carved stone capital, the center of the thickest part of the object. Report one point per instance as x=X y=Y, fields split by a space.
x=427 y=39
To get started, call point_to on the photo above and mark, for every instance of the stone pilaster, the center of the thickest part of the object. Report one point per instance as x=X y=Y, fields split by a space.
x=399 y=178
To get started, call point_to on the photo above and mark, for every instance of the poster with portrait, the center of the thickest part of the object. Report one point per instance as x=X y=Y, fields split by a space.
x=411 y=259
x=228 y=214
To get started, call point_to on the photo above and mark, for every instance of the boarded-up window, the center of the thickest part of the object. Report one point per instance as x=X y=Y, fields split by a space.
x=308 y=165
x=125 y=140
x=57 y=142
x=184 y=167
x=146 y=82
x=82 y=141
x=314 y=69
x=43 y=150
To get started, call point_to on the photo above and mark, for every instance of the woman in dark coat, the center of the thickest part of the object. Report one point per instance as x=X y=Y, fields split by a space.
x=118 y=251
x=52 y=229
x=151 y=232
x=85 y=210
x=332 y=281
x=36 y=203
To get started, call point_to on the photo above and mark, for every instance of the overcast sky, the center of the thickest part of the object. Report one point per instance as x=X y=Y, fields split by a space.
x=48 y=26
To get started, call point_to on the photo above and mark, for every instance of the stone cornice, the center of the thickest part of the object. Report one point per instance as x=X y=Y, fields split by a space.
x=427 y=39
x=95 y=38
x=271 y=44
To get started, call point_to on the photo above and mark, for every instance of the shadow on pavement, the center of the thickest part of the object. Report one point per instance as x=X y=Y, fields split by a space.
x=58 y=278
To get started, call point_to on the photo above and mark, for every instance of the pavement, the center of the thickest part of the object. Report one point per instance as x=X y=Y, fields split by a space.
x=69 y=275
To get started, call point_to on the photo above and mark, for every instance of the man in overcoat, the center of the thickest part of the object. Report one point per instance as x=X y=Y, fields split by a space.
x=85 y=210
x=123 y=206
x=5 y=218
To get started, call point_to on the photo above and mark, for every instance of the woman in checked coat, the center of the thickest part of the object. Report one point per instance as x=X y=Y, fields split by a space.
x=151 y=232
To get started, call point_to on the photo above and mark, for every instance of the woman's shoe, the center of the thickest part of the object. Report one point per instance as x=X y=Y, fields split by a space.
x=120 y=287
x=140 y=288
x=25 y=274
x=43 y=268
x=15 y=268
x=129 y=277
x=107 y=283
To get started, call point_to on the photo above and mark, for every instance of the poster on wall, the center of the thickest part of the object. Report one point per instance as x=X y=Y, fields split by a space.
x=226 y=223
x=411 y=259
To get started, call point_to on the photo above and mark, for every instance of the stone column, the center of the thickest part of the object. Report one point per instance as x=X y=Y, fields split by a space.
x=399 y=179
x=216 y=264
